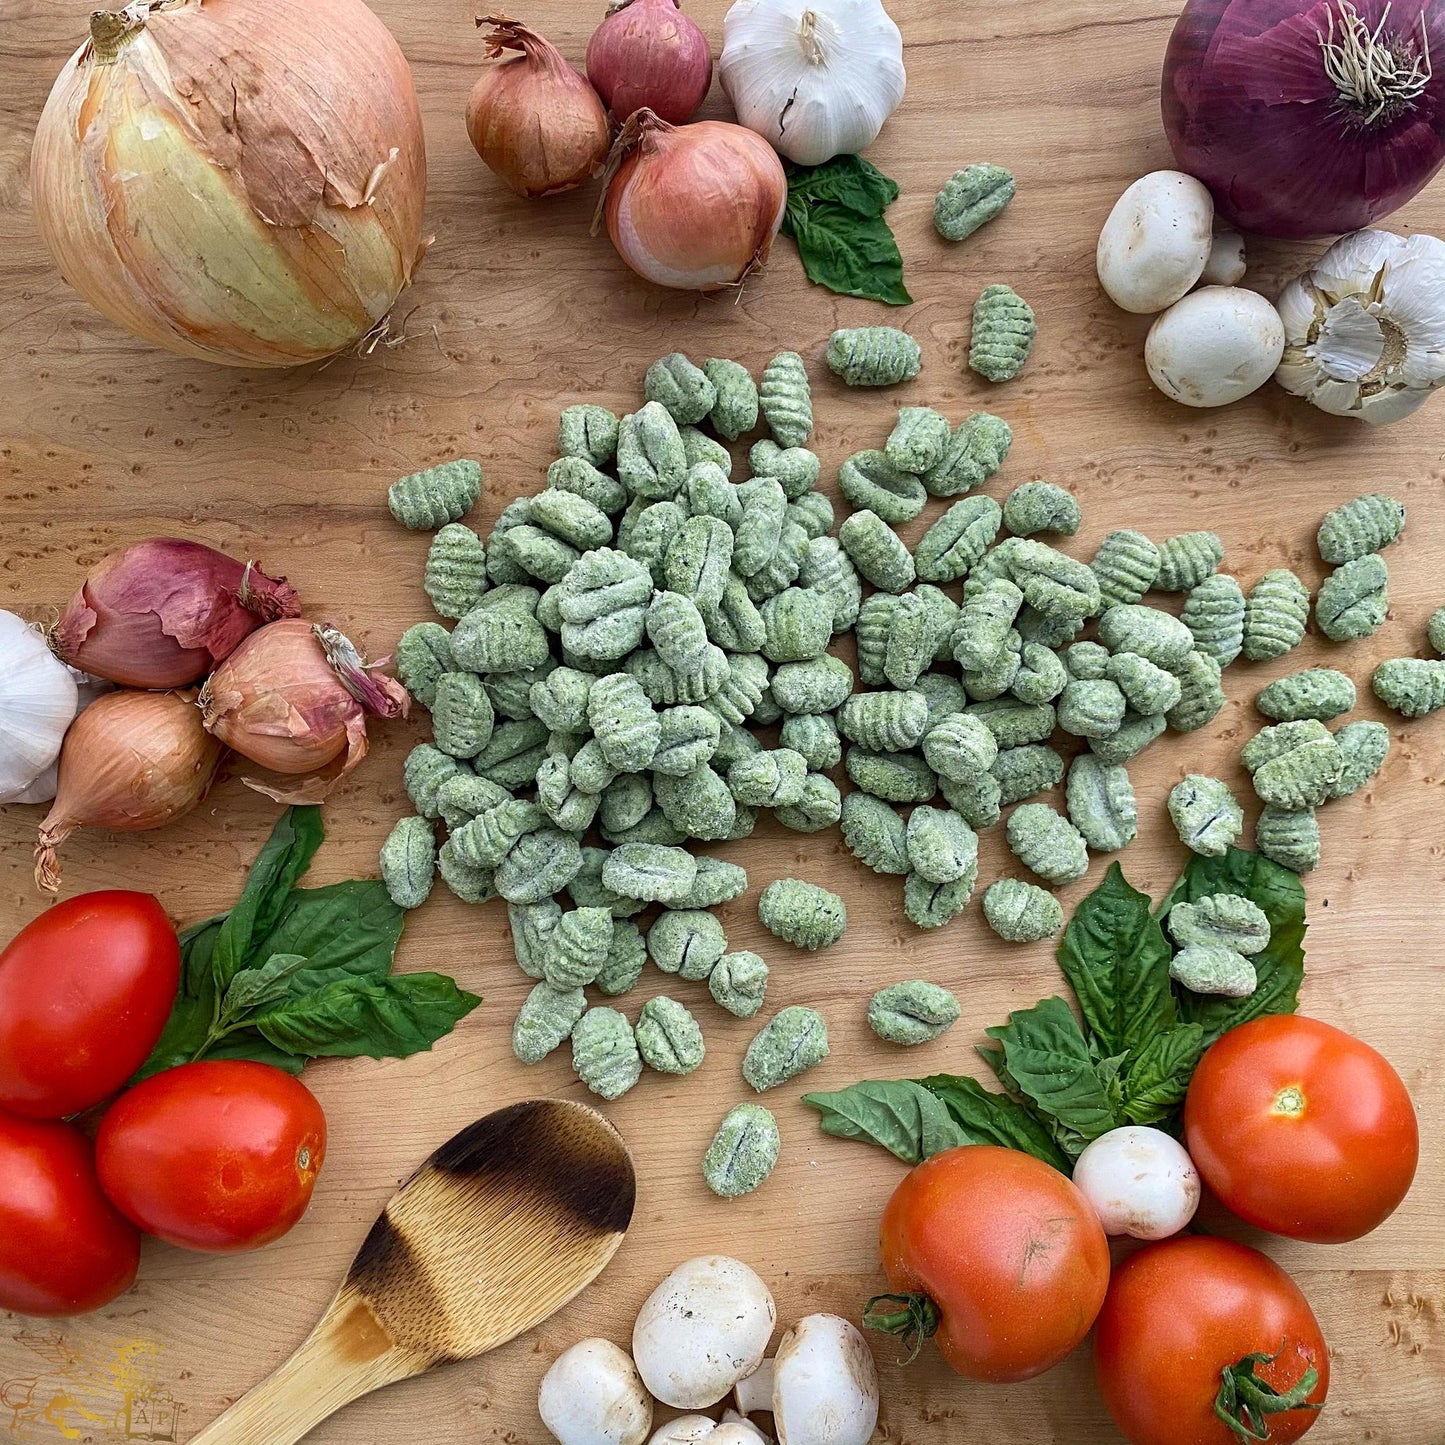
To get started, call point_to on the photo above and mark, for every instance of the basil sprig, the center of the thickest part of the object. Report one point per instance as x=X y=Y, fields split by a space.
x=1129 y=1061
x=835 y=214
x=292 y=974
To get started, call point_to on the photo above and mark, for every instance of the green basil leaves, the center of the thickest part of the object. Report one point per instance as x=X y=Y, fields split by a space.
x=291 y=974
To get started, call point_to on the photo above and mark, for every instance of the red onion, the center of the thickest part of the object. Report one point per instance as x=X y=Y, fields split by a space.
x=647 y=53
x=693 y=206
x=294 y=698
x=1307 y=117
x=162 y=613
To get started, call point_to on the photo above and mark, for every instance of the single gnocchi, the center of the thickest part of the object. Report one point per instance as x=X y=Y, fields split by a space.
x=971 y=198
x=1046 y=843
x=1205 y=814
x=428 y=500
x=1003 y=333
x=1317 y=692
x=786 y=399
x=1366 y=524
x=790 y=1043
x=1411 y=686
x=1214 y=612
x=605 y=1053
x=743 y=1153
x=802 y=913
x=916 y=1012
x=1021 y=912
x=1275 y=615
x=1353 y=599
x=874 y=356
x=1186 y=560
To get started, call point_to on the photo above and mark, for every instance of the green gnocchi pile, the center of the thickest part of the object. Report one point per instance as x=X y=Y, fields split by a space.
x=624 y=637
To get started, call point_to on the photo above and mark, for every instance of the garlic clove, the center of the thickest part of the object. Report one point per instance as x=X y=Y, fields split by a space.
x=1351 y=341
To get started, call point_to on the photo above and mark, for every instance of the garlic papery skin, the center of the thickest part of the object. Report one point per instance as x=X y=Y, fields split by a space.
x=37 y=702
x=817 y=78
x=1365 y=327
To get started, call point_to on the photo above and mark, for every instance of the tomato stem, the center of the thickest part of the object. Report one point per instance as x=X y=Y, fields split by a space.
x=1245 y=1402
x=915 y=1322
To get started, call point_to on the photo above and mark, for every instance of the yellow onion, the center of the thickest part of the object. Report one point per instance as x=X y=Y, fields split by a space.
x=534 y=119
x=694 y=206
x=236 y=180
x=130 y=761
x=293 y=698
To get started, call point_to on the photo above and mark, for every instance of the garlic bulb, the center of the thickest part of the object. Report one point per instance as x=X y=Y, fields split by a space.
x=1365 y=327
x=817 y=78
x=37 y=702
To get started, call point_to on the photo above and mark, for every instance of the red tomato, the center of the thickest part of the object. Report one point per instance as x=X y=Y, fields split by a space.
x=1182 y=1312
x=85 y=991
x=1009 y=1254
x=63 y=1248
x=220 y=1155
x=1301 y=1129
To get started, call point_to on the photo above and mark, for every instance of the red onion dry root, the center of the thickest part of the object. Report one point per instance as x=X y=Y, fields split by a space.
x=294 y=698
x=1307 y=117
x=648 y=54
x=162 y=613
x=695 y=207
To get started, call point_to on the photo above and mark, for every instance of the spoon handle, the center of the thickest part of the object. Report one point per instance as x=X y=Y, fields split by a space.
x=347 y=1355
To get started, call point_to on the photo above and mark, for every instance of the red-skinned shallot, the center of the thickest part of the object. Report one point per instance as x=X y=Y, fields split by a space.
x=164 y=612
x=648 y=53
x=293 y=698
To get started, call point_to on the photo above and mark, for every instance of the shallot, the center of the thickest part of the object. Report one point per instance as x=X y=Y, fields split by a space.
x=131 y=761
x=163 y=612
x=293 y=698
x=533 y=119
x=647 y=53
x=694 y=207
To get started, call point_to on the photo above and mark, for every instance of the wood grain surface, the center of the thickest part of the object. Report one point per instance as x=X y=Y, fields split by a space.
x=515 y=314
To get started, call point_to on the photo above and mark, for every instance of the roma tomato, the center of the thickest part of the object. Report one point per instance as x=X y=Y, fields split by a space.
x=63 y=1248
x=1193 y=1321
x=85 y=991
x=1301 y=1129
x=220 y=1155
x=997 y=1256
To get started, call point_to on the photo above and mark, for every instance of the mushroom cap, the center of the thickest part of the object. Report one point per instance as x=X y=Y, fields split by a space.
x=701 y=1330
x=1156 y=241
x=1215 y=346
x=825 y=1386
x=593 y=1395
x=685 y=1430
x=1141 y=1182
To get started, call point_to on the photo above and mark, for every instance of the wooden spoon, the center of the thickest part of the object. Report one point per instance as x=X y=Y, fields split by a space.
x=502 y=1226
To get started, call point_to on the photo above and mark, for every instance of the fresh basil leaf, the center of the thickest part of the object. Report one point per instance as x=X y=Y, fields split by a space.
x=1159 y=1074
x=344 y=930
x=380 y=1018
x=989 y=1118
x=285 y=857
x=851 y=254
x=898 y=1114
x=848 y=181
x=195 y=1008
x=248 y=1044
x=1116 y=959
x=1280 y=965
x=1048 y=1060
x=254 y=988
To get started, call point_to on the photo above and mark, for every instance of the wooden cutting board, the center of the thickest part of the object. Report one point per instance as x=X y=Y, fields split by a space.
x=516 y=314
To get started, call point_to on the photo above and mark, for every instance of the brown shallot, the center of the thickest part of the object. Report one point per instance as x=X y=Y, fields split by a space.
x=130 y=761
x=534 y=119
x=648 y=53
x=293 y=698
x=164 y=612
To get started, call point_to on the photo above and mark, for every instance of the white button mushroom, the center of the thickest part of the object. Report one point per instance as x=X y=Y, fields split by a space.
x=1216 y=345
x=821 y=1386
x=1140 y=1181
x=704 y=1328
x=593 y=1395
x=1226 y=265
x=1154 y=245
x=695 y=1429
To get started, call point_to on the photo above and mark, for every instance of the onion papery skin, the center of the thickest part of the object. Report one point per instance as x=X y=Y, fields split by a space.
x=534 y=119
x=241 y=182
x=164 y=612
x=1250 y=110
x=649 y=54
x=282 y=700
x=130 y=761
x=695 y=207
